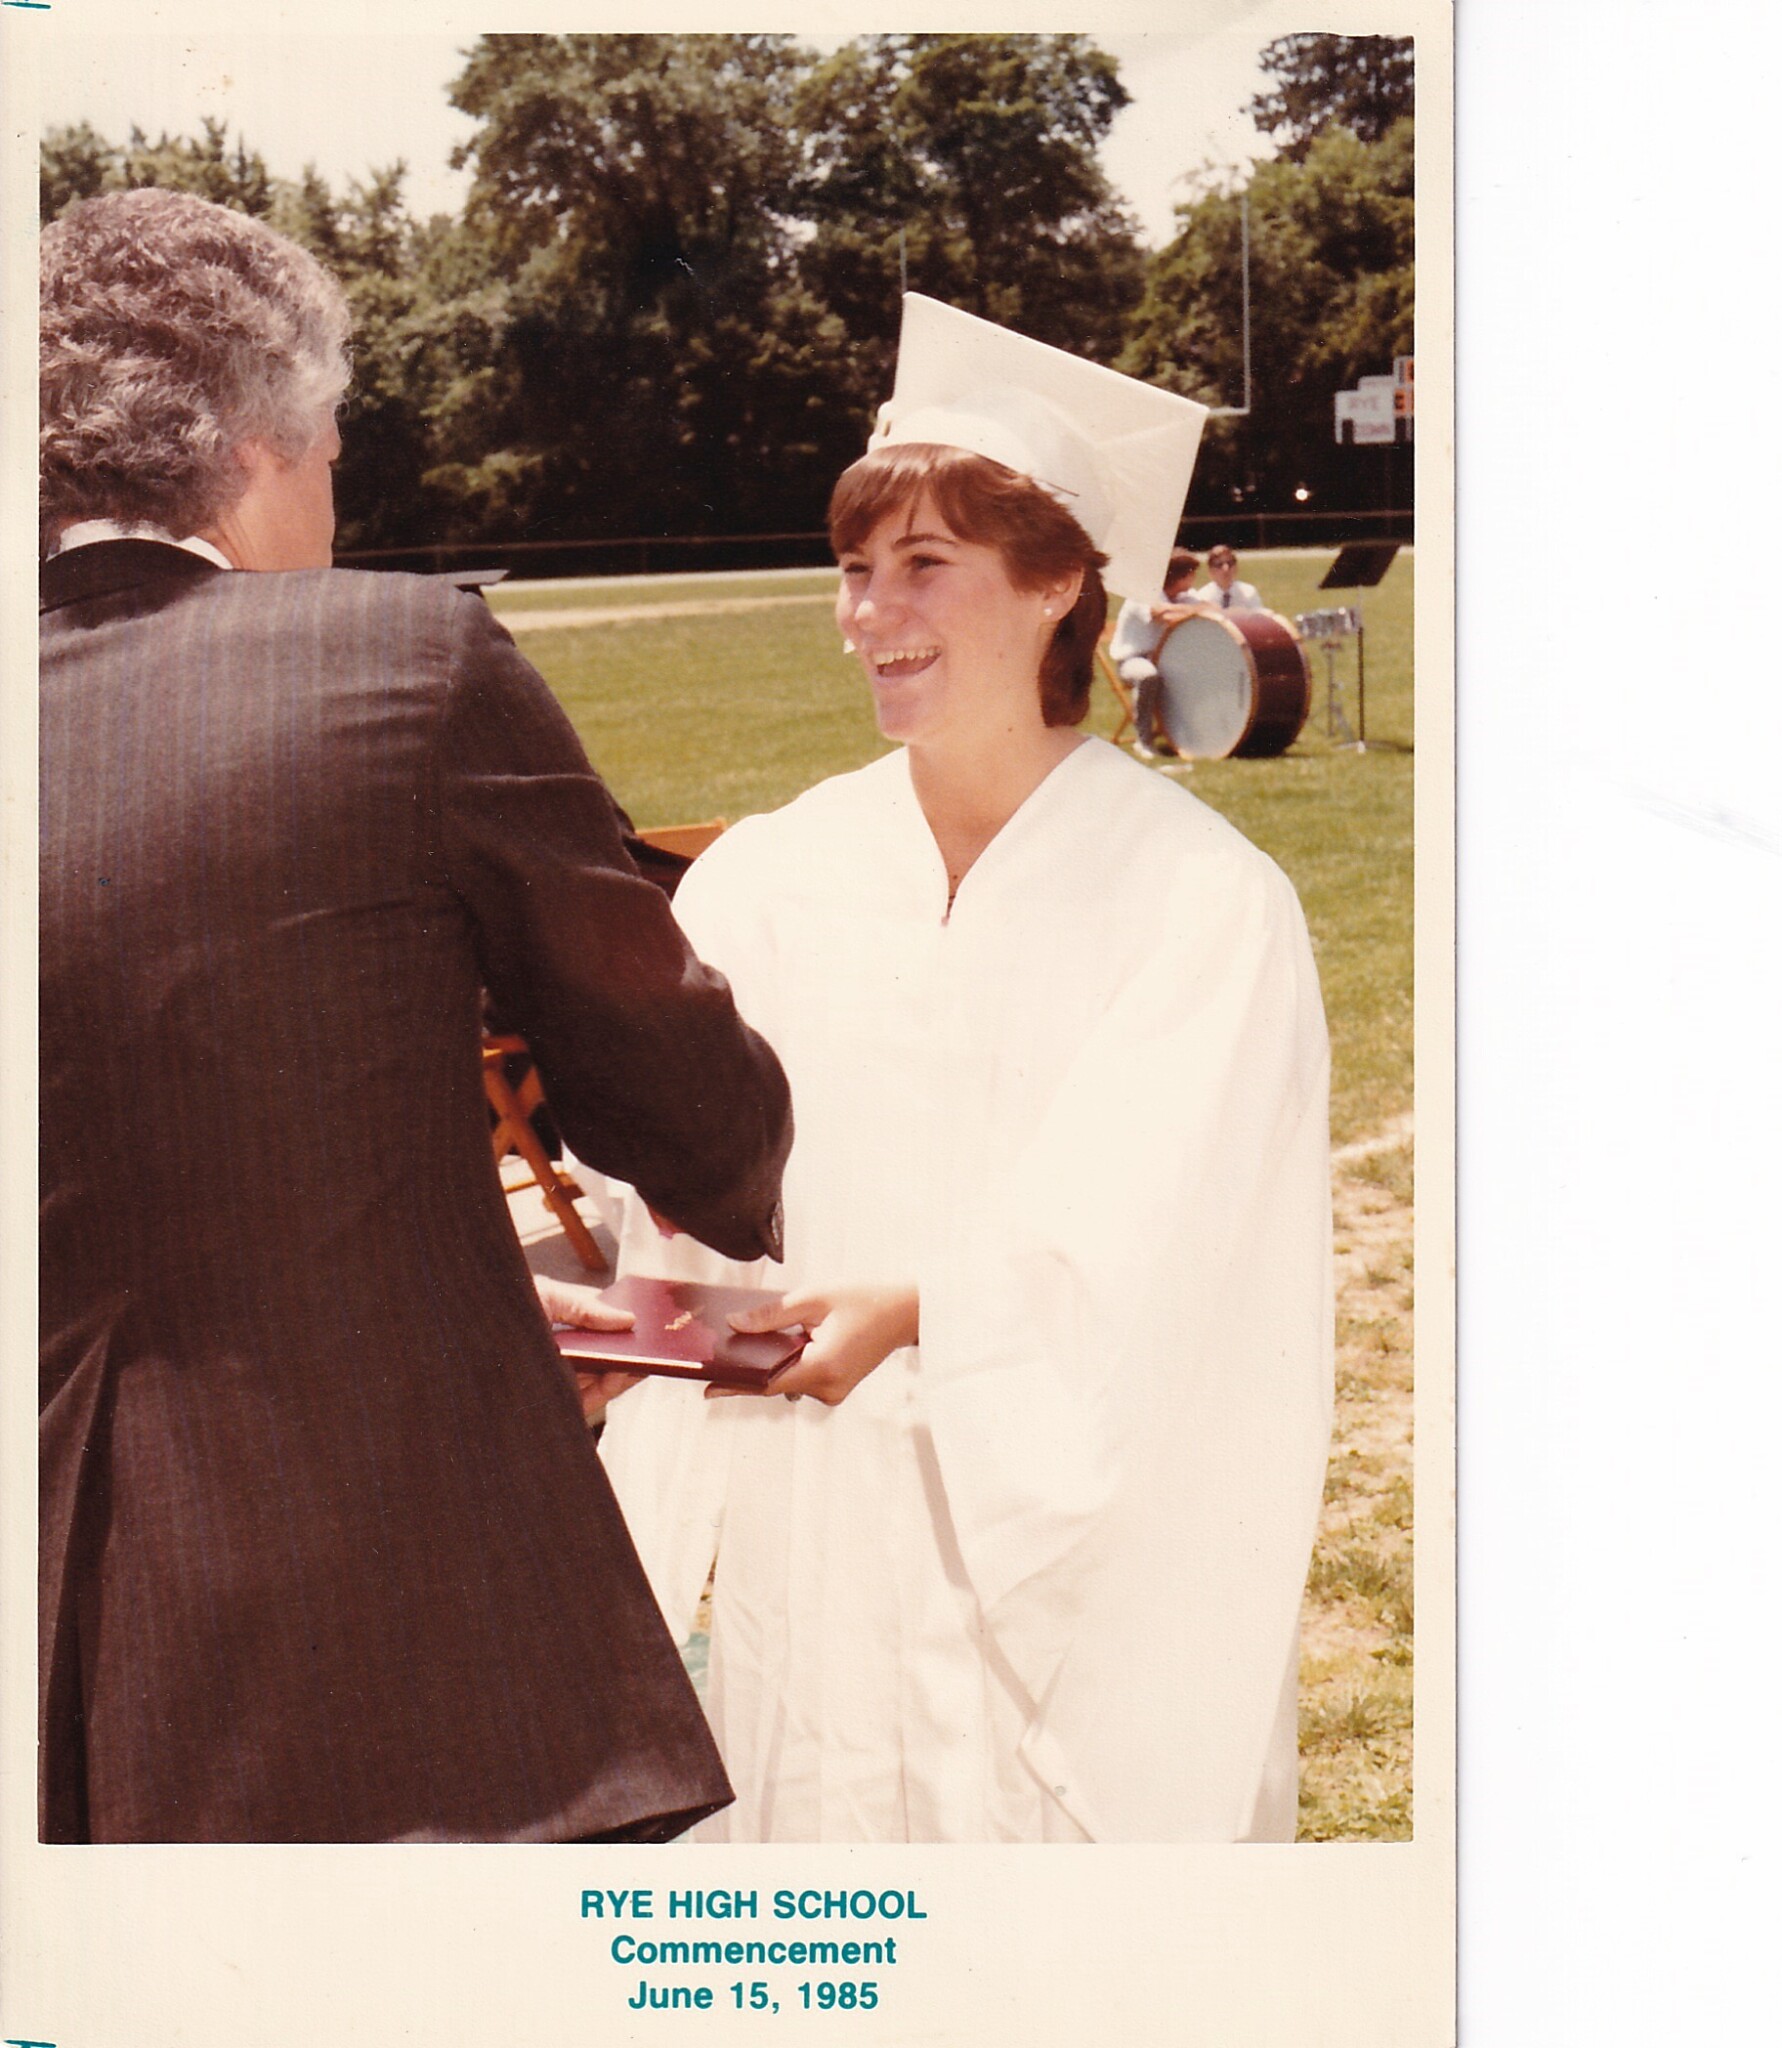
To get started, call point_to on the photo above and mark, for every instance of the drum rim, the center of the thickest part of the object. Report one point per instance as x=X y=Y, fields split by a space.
x=1226 y=619
x=1222 y=619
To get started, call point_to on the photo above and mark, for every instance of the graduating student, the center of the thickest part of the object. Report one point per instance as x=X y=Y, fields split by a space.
x=1028 y=1566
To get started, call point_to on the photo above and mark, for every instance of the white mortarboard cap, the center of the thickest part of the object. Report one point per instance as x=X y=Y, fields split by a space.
x=1116 y=453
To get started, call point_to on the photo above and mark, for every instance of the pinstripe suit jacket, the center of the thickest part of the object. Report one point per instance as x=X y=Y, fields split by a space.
x=326 y=1553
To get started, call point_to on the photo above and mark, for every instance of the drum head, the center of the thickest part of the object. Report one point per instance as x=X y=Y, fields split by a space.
x=1208 y=690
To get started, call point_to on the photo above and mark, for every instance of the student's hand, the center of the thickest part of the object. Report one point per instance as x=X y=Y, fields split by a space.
x=853 y=1331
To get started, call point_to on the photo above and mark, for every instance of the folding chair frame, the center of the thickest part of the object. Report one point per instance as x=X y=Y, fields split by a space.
x=514 y=1104
x=1122 y=695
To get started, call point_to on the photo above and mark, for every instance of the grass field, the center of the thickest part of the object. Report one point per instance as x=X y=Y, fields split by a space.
x=719 y=696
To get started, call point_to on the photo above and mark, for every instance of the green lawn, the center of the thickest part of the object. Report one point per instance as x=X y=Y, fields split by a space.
x=734 y=712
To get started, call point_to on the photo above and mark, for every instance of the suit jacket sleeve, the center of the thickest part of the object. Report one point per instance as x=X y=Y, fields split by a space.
x=652 y=1076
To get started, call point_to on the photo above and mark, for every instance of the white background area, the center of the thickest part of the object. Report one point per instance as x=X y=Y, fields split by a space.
x=1620 y=825
x=1620 y=906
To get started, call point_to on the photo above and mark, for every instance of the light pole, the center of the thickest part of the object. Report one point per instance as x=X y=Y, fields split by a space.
x=1238 y=412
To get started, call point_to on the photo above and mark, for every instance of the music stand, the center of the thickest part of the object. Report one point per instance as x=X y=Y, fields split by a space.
x=1360 y=566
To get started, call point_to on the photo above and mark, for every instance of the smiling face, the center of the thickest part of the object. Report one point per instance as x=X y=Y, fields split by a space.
x=1222 y=567
x=950 y=646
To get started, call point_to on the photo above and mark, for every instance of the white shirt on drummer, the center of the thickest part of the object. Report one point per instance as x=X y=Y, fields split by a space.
x=1243 y=597
x=85 y=532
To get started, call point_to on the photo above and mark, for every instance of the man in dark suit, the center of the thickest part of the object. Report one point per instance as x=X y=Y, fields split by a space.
x=326 y=1553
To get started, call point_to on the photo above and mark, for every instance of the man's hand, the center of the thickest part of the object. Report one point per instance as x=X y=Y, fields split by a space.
x=853 y=1331
x=566 y=1301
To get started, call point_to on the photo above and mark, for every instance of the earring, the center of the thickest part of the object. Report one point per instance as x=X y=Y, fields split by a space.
x=848 y=647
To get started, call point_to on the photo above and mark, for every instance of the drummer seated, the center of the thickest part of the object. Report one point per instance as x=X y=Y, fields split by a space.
x=1138 y=633
x=1225 y=593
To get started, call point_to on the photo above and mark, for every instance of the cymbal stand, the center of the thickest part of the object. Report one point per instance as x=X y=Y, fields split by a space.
x=1334 y=715
x=1360 y=742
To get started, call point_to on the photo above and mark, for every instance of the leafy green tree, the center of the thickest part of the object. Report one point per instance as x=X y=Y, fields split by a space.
x=207 y=165
x=702 y=240
x=74 y=163
x=628 y=192
x=374 y=246
x=968 y=165
x=667 y=151
x=1362 y=83
x=1332 y=299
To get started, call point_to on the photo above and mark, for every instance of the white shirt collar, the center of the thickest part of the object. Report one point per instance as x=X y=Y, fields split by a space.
x=85 y=532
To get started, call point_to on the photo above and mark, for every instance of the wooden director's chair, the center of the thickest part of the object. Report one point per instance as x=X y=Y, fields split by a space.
x=689 y=841
x=1122 y=695
x=515 y=1093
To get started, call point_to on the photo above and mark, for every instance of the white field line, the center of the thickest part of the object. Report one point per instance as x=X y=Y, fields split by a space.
x=625 y=614
x=660 y=579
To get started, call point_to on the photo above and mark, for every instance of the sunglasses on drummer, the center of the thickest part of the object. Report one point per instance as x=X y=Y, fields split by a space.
x=1222 y=561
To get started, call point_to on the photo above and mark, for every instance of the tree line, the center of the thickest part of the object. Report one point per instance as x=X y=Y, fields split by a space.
x=670 y=302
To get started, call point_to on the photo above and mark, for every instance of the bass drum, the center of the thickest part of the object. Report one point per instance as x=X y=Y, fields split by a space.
x=1233 y=683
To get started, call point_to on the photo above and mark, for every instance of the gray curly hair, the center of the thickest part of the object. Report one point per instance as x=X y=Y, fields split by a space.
x=171 y=331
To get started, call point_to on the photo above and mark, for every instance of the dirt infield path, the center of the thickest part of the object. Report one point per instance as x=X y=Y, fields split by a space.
x=1356 y=1636
x=1398 y=1132
x=628 y=614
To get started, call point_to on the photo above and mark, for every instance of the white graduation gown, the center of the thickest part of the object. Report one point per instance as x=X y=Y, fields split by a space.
x=1038 y=1578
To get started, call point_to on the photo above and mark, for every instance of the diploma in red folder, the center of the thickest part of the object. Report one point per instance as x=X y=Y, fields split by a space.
x=683 y=1332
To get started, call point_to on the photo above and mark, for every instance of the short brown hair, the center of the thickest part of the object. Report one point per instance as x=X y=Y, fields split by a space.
x=983 y=502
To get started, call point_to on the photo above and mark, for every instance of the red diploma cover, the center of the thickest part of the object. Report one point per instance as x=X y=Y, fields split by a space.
x=683 y=1332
